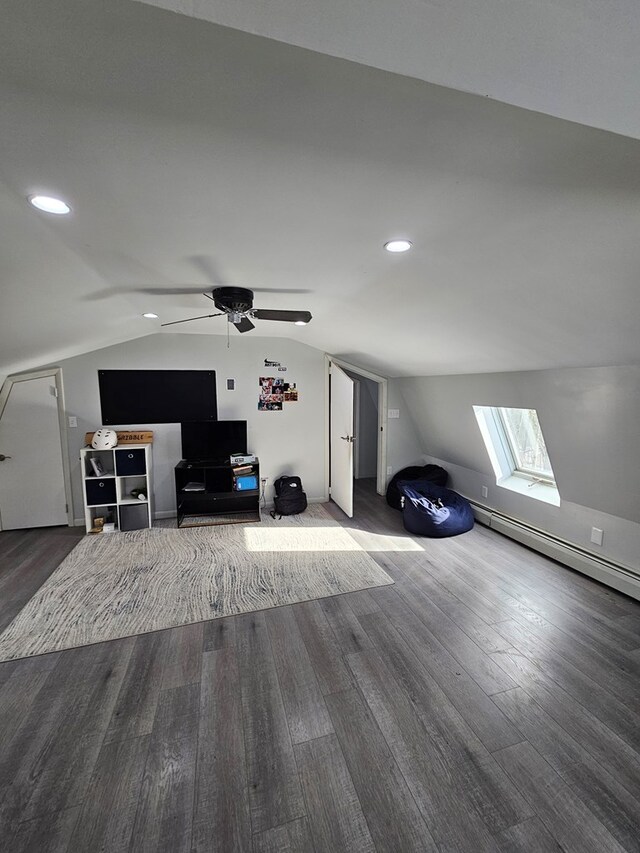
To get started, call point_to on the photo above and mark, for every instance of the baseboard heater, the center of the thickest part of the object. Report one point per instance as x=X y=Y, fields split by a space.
x=616 y=575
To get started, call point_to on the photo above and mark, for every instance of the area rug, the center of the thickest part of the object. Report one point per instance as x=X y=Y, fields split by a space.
x=120 y=584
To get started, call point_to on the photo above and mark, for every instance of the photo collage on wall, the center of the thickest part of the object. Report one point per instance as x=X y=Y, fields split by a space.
x=275 y=392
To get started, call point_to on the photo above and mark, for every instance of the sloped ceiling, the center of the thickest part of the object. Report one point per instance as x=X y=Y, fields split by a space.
x=573 y=59
x=194 y=154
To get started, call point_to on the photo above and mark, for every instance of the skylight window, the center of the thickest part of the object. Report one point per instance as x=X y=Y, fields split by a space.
x=526 y=442
x=517 y=450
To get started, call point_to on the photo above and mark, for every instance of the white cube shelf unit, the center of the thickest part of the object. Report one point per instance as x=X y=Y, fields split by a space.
x=109 y=478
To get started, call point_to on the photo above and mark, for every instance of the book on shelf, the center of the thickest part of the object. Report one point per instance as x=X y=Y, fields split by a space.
x=98 y=467
x=193 y=487
x=242 y=469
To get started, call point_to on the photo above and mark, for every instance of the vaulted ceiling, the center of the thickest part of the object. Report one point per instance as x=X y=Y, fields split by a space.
x=196 y=154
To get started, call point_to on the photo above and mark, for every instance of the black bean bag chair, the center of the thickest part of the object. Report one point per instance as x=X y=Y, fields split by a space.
x=424 y=473
x=434 y=511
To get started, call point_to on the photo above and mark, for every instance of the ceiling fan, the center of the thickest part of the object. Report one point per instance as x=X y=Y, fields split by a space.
x=237 y=304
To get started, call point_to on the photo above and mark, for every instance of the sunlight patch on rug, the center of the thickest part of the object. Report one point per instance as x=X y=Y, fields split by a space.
x=121 y=584
x=319 y=538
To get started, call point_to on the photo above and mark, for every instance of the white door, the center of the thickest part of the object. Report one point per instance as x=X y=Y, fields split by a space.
x=341 y=438
x=32 y=483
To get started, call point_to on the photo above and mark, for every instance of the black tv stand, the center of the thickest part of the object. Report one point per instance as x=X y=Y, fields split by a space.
x=204 y=463
x=208 y=492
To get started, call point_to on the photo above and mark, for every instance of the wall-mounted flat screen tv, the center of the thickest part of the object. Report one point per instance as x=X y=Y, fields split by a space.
x=214 y=441
x=157 y=396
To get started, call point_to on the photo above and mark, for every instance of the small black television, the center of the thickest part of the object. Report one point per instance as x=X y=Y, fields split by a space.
x=215 y=441
x=157 y=396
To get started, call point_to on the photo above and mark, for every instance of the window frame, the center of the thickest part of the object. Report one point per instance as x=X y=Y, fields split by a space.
x=508 y=439
x=503 y=462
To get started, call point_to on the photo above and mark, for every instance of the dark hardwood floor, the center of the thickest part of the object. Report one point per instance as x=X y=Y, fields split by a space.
x=489 y=701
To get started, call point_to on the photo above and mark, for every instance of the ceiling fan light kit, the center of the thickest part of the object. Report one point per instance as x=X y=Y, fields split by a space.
x=237 y=304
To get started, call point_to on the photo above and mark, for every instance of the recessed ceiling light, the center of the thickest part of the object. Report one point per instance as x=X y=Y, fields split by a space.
x=150 y=315
x=398 y=246
x=49 y=204
x=300 y=323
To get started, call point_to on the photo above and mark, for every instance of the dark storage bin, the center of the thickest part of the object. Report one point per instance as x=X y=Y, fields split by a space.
x=130 y=462
x=134 y=517
x=101 y=491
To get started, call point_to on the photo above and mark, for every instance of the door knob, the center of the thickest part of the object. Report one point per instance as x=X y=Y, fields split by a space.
x=349 y=438
x=3 y=457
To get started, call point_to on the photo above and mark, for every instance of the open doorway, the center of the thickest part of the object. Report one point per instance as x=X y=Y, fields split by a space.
x=366 y=422
x=365 y=426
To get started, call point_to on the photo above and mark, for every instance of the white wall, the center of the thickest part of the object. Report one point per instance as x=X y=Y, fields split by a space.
x=589 y=418
x=405 y=445
x=287 y=442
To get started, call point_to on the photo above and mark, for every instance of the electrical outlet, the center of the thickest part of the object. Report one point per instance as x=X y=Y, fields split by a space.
x=597 y=535
x=485 y=492
x=389 y=471
x=73 y=421
x=393 y=413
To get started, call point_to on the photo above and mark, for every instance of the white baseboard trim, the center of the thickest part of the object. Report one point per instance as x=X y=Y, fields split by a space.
x=620 y=577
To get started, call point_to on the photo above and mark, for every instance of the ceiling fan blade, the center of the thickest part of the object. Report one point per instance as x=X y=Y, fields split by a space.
x=281 y=290
x=196 y=289
x=147 y=290
x=189 y=319
x=177 y=290
x=170 y=290
x=244 y=324
x=283 y=316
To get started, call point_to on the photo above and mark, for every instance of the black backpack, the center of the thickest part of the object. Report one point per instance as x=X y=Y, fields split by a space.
x=290 y=498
